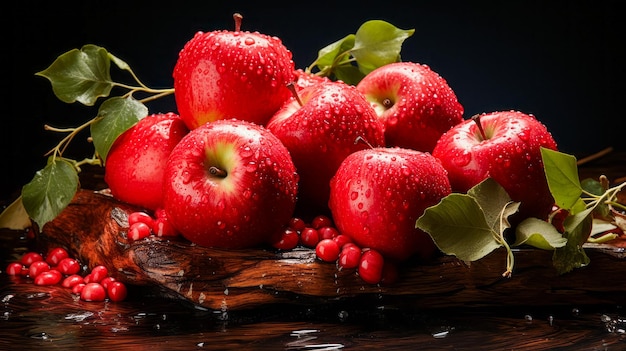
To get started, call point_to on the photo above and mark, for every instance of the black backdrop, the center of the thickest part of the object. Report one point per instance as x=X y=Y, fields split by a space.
x=560 y=60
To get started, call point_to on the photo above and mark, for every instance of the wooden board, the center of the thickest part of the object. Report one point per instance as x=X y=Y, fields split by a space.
x=94 y=229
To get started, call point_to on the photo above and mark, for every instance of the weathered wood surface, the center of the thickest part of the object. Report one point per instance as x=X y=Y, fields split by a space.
x=94 y=228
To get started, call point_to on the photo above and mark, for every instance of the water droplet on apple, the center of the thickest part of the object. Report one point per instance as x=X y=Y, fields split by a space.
x=462 y=159
x=246 y=152
x=368 y=193
x=186 y=177
x=249 y=41
x=354 y=195
x=221 y=224
x=364 y=215
x=251 y=166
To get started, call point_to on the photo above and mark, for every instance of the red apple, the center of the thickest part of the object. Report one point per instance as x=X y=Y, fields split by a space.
x=232 y=74
x=378 y=194
x=415 y=103
x=135 y=164
x=229 y=184
x=305 y=79
x=505 y=146
x=320 y=129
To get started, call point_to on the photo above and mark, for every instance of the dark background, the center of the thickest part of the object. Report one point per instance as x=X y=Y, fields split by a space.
x=560 y=60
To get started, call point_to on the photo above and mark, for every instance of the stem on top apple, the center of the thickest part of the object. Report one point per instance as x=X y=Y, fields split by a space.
x=237 y=17
x=360 y=139
x=292 y=88
x=476 y=119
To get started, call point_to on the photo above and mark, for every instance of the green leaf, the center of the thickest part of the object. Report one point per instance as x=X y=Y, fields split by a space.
x=335 y=54
x=80 y=75
x=562 y=176
x=492 y=198
x=378 y=43
x=572 y=255
x=348 y=74
x=595 y=187
x=115 y=116
x=538 y=233
x=50 y=191
x=15 y=216
x=458 y=227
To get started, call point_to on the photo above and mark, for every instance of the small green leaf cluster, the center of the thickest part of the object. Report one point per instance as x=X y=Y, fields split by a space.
x=470 y=226
x=83 y=76
x=375 y=44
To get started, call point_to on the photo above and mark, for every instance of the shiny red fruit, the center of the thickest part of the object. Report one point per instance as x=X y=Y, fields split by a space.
x=56 y=255
x=69 y=266
x=136 y=162
x=505 y=146
x=371 y=266
x=92 y=292
x=50 y=277
x=116 y=291
x=332 y=122
x=232 y=74
x=378 y=194
x=414 y=102
x=230 y=184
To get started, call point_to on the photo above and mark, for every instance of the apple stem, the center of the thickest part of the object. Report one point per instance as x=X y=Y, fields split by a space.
x=476 y=119
x=217 y=172
x=292 y=87
x=237 y=17
x=360 y=139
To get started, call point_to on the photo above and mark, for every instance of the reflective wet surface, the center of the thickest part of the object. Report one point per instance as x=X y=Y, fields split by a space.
x=50 y=318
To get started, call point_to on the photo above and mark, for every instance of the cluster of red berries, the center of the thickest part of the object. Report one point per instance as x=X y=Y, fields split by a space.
x=142 y=225
x=332 y=246
x=57 y=267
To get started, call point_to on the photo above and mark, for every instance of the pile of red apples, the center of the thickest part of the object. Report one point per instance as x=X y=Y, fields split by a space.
x=256 y=142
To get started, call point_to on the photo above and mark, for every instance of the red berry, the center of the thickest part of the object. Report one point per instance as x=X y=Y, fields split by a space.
x=56 y=255
x=98 y=273
x=297 y=224
x=342 y=239
x=286 y=240
x=327 y=250
x=321 y=221
x=38 y=267
x=371 y=266
x=30 y=257
x=328 y=232
x=14 y=268
x=139 y=230
x=71 y=280
x=349 y=257
x=93 y=292
x=309 y=237
x=68 y=266
x=140 y=217
x=50 y=277
x=106 y=281
x=78 y=288
x=117 y=291
x=88 y=278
